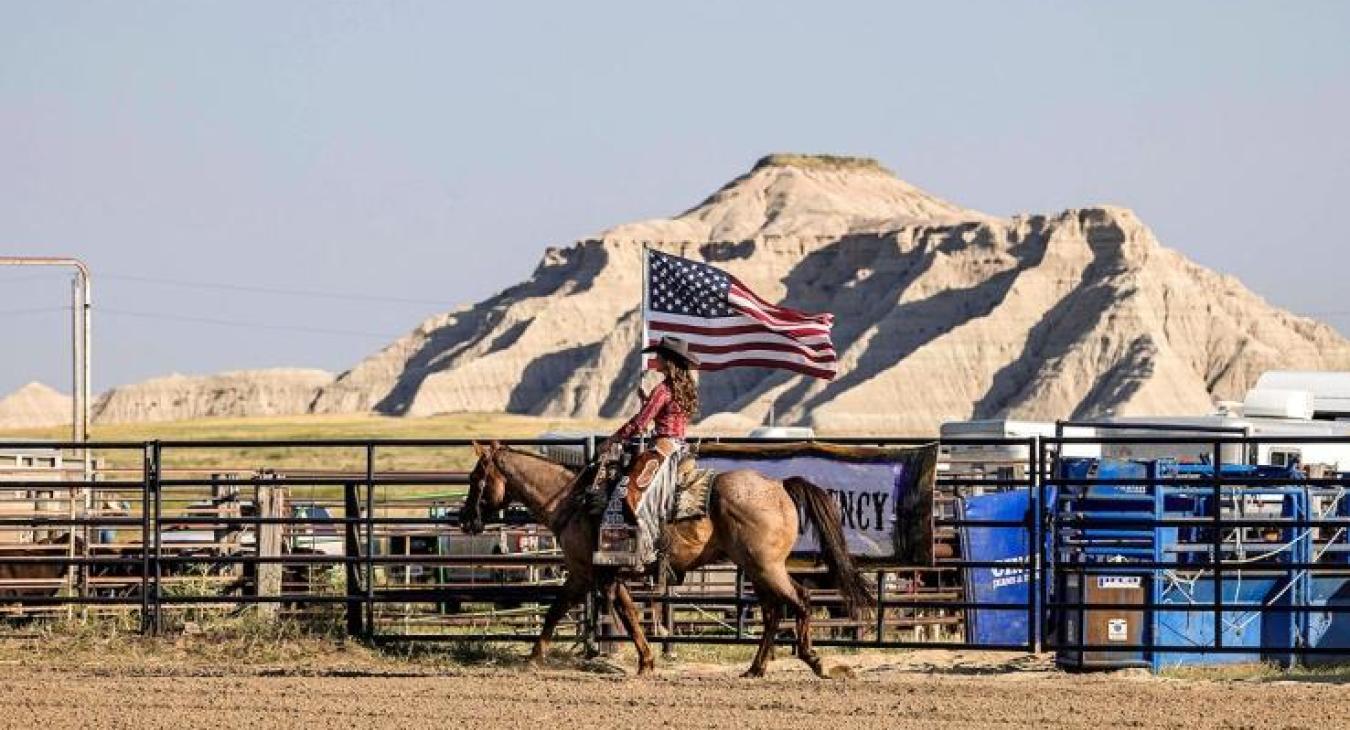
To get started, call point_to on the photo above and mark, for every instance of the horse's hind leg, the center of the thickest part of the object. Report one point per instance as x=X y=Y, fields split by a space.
x=632 y=621
x=805 y=652
x=777 y=589
x=772 y=608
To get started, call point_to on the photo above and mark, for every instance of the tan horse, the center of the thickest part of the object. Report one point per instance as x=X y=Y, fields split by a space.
x=752 y=522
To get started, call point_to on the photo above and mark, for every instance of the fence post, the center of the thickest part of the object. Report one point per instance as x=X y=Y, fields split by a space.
x=881 y=606
x=1034 y=546
x=740 y=604
x=667 y=623
x=271 y=504
x=1044 y=561
x=590 y=619
x=351 y=511
x=157 y=536
x=147 y=472
x=1217 y=559
x=1051 y=466
x=370 y=540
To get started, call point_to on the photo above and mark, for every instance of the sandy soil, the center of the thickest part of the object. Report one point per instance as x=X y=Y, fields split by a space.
x=917 y=689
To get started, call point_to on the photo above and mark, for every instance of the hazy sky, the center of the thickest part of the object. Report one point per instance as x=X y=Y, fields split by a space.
x=412 y=156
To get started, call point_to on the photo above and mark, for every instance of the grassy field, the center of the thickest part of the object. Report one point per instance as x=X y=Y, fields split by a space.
x=470 y=425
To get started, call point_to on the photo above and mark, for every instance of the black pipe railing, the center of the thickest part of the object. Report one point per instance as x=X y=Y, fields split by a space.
x=157 y=562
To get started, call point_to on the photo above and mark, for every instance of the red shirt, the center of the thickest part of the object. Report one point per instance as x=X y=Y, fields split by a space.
x=661 y=408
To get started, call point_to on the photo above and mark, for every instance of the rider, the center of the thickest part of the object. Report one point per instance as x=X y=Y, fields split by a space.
x=668 y=407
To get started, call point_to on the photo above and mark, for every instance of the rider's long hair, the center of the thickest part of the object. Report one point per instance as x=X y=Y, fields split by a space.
x=683 y=387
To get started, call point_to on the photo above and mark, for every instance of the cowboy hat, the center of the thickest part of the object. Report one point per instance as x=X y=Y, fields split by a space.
x=674 y=348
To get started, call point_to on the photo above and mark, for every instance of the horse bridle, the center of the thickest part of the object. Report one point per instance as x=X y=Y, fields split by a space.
x=489 y=466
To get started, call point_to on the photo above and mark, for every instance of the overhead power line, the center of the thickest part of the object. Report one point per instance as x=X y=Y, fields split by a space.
x=32 y=310
x=46 y=276
x=239 y=323
x=276 y=291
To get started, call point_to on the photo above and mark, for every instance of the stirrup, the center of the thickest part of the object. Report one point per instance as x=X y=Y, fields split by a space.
x=617 y=547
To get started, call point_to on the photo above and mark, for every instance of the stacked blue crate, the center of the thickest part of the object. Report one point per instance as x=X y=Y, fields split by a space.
x=1101 y=551
x=1330 y=587
x=1253 y=581
x=1103 y=528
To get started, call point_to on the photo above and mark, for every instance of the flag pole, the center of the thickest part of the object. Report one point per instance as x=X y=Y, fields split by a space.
x=643 y=329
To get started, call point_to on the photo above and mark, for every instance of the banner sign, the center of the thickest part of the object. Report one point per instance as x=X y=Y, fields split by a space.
x=885 y=494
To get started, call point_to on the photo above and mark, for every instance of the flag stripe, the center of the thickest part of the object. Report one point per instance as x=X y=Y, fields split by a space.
x=742 y=348
x=735 y=324
x=755 y=353
x=817 y=372
x=772 y=322
x=754 y=331
x=750 y=310
x=700 y=341
x=825 y=372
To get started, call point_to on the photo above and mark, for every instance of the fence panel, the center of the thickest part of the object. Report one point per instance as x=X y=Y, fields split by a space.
x=1134 y=561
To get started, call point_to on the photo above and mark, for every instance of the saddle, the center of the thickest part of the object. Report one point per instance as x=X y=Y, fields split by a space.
x=685 y=497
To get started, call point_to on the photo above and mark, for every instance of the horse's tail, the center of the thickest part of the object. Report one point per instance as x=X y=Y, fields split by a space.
x=823 y=513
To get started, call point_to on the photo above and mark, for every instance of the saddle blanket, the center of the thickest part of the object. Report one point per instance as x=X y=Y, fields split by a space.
x=694 y=495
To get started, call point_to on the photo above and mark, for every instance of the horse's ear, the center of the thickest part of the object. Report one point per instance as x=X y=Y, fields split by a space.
x=496 y=445
x=477 y=449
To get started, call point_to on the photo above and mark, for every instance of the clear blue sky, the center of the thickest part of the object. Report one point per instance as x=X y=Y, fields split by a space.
x=425 y=153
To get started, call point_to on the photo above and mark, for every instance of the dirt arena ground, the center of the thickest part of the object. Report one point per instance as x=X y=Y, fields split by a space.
x=913 y=689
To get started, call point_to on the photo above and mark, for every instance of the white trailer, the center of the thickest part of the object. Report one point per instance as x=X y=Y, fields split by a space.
x=1330 y=390
x=1267 y=412
x=1003 y=428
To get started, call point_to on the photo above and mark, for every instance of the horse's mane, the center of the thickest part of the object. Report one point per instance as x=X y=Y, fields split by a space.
x=540 y=457
x=571 y=504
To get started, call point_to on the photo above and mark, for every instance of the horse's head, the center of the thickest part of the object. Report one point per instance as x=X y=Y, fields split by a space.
x=487 y=488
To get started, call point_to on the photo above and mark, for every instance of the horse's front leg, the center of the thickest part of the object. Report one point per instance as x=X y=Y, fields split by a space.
x=632 y=621
x=569 y=596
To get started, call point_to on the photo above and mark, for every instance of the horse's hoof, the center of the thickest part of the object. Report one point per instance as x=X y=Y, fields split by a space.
x=753 y=672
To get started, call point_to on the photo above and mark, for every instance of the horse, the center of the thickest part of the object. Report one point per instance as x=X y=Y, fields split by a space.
x=751 y=521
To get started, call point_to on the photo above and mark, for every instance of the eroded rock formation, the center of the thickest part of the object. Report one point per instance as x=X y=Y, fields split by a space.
x=942 y=313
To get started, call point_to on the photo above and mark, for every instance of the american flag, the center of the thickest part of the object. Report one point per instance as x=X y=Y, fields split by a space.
x=727 y=325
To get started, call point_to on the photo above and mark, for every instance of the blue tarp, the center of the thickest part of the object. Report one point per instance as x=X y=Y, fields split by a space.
x=1002 y=584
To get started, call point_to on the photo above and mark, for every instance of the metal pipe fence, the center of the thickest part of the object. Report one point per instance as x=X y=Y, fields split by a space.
x=382 y=549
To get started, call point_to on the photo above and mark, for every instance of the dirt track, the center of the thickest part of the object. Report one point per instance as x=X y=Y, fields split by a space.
x=922 y=689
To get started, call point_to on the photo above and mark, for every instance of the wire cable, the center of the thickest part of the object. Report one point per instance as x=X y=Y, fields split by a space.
x=275 y=291
x=238 y=323
x=32 y=310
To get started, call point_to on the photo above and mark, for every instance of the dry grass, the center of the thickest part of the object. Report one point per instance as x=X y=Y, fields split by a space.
x=114 y=645
x=250 y=643
x=364 y=426
x=1262 y=672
